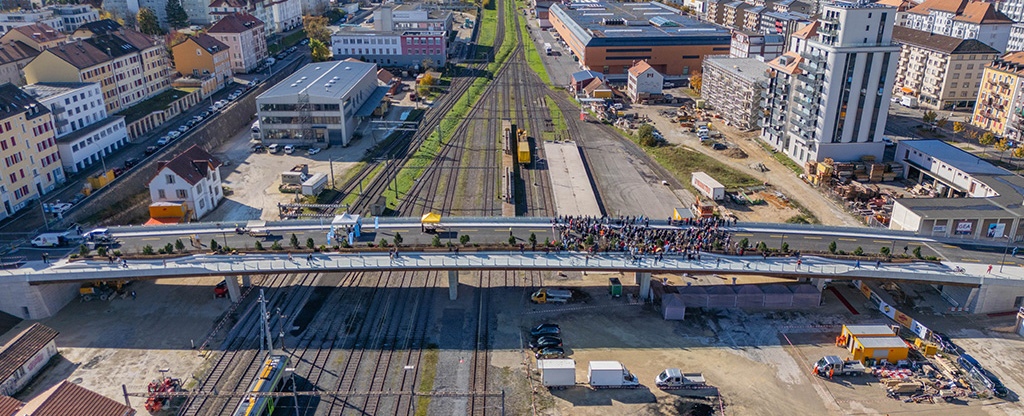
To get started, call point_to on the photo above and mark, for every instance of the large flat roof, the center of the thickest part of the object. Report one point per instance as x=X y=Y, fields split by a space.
x=750 y=69
x=954 y=156
x=638 y=22
x=333 y=79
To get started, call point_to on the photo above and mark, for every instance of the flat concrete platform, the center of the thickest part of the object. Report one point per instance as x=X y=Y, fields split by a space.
x=570 y=183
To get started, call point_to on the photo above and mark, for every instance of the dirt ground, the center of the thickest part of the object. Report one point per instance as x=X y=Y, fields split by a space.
x=103 y=345
x=777 y=175
x=756 y=360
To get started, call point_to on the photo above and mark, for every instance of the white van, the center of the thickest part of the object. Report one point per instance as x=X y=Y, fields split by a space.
x=273 y=148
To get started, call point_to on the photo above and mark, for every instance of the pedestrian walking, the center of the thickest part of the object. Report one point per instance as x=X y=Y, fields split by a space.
x=878 y=264
x=309 y=258
x=857 y=266
x=990 y=268
x=133 y=295
x=124 y=263
x=165 y=262
x=718 y=262
x=798 y=263
x=45 y=257
x=905 y=249
x=289 y=256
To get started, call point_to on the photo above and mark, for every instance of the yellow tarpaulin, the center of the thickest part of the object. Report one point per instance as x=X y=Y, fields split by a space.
x=430 y=218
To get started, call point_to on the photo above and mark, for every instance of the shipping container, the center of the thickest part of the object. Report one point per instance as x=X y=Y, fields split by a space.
x=557 y=372
x=708 y=186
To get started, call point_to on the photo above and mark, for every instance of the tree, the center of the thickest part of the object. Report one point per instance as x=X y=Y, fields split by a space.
x=987 y=139
x=316 y=29
x=917 y=252
x=294 y=241
x=319 y=50
x=309 y=243
x=464 y=239
x=832 y=247
x=427 y=64
x=425 y=83
x=511 y=240
x=398 y=239
x=859 y=251
x=695 y=81
x=1002 y=146
x=147 y=250
x=744 y=243
x=645 y=133
x=148 y=22
x=436 y=242
x=169 y=248
x=259 y=246
x=929 y=116
x=958 y=127
x=176 y=15
x=942 y=122
x=1018 y=152
x=179 y=245
x=383 y=242
x=214 y=245
x=533 y=240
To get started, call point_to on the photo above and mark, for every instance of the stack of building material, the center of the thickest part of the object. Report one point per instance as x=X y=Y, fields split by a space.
x=875 y=171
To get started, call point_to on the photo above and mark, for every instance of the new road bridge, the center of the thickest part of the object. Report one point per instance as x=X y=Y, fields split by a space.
x=37 y=289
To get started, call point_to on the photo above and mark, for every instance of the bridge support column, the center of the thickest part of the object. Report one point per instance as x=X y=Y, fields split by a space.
x=453 y=284
x=246 y=280
x=234 y=292
x=644 y=279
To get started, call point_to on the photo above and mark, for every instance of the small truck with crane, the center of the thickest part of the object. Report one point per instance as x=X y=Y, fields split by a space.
x=831 y=365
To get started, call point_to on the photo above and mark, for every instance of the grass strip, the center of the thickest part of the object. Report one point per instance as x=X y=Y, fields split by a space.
x=532 y=56
x=429 y=368
x=781 y=157
x=682 y=161
x=556 y=117
x=351 y=197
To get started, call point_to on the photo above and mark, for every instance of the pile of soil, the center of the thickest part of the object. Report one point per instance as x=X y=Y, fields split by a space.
x=735 y=153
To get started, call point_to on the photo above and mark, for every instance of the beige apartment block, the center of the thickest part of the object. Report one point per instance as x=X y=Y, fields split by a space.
x=943 y=72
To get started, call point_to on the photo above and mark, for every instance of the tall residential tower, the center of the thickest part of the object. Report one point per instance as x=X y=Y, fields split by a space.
x=828 y=95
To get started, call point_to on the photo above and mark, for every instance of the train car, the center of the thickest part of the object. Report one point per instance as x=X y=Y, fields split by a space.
x=507 y=144
x=523 y=148
x=266 y=381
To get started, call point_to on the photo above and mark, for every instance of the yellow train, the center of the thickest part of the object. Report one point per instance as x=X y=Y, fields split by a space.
x=523 y=148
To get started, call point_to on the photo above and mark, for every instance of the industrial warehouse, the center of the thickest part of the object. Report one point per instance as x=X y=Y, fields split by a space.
x=611 y=37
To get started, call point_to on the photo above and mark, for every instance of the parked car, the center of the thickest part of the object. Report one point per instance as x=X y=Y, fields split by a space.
x=173 y=135
x=150 y=150
x=719 y=146
x=304 y=42
x=993 y=383
x=545 y=329
x=289 y=149
x=273 y=148
x=313 y=150
x=163 y=141
x=131 y=162
x=191 y=122
x=888 y=141
x=551 y=352
x=183 y=129
x=945 y=344
x=256 y=148
x=546 y=341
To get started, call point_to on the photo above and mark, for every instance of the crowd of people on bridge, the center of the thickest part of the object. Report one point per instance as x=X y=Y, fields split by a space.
x=634 y=235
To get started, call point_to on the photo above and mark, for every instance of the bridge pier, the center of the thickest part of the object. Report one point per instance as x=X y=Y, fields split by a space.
x=246 y=280
x=453 y=284
x=644 y=280
x=234 y=292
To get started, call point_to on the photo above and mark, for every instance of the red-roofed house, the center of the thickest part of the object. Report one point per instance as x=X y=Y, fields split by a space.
x=644 y=81
x=246 y=39
x=66 y=399
x=963 y=19
x=38 y=35
x=190 y=180
x=203 y=57
x=24 y=356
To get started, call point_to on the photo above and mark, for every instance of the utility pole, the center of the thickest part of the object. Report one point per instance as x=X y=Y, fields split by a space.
x=265 y=324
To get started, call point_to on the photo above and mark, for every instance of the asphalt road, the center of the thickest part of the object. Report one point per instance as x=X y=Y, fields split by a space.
x=969 y=251
x=29 y=221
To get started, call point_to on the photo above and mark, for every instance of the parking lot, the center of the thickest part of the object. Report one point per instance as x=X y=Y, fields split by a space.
x=755 y=361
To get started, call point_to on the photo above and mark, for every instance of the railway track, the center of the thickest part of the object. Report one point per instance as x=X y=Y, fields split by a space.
x=478 y=377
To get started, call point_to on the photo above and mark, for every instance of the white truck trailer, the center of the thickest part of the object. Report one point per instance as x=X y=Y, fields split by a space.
x=557 y=373
x=610 y=375
x=708 y=186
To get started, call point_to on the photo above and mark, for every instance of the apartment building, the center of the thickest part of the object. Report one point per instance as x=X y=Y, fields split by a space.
x=1014 y=9
x=783 y=23
x=16 y=18
x=246 y=39
x=97 y=28
x=1000 y=98
x=390 y=48
x=191 y=179
x=643 y=81
x=38 y=36
x=129 y=66
x=202 y=56
x=320 y=104
x=732 y=87
x=85 y=133
x=14 y=56
x=74 y=15
x=942 y=72
x=964 y=19
x=829 y=93
x=198 y=11
x=28 y=149
x=278 y=15
x=734 y=14
x=750 y=44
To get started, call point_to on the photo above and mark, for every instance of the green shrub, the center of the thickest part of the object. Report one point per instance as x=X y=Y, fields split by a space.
x=179 y=245
x=398 y=239
x=259 y=245
x=276 y=246
x=436 y=242
x=147 y=250
x=295 y=241
x=83 y=250
x=858 y=252
x=310 y=244
x=464 y=239
x=832 y=247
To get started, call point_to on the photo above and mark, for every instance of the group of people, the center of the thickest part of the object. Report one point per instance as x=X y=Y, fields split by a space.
x=634 y=235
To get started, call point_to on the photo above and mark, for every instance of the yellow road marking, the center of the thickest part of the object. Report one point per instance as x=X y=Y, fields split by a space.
x=469 y=230
x=776 y=235
x=151 y=239
x=1007 y=262
x=916 y=244
x=949 y=246
x=813 y=238
x=539 y=230
x=744 y=235
x=882 y=241
x=847 y=239
x=976 y=261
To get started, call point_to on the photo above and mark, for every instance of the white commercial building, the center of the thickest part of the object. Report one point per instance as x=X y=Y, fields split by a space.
x=412 y=16
x=643 y=82
x=829 y=94
x=320 y=104
x=85 y=135
x=391 y=48
x=75 y=15
x=191 y=179
x=17 y=18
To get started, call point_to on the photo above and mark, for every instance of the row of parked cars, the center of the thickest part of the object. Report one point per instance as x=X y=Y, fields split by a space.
x=546 y=341
x=288 y=149
x=196 y=120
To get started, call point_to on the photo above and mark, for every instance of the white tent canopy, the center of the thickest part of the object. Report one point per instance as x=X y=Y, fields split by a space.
x=345 y=219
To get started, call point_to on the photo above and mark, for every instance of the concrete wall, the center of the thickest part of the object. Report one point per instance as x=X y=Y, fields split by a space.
x=994 y=298
x=208 y=136
x=35 y=302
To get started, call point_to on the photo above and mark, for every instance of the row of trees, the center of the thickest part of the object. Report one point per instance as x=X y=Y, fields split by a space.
x=149 y=24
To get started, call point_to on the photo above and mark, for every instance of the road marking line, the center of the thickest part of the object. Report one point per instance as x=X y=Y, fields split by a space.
x=916 y=244
x=949 y=246
x=469 y=230
x=539 y=231
x=812 y=238
x=1007 y=262
x=776 y=235
x=151 y=239
x=744 y=235
x=976 y=261
x=882 y=241
x=847 y=239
